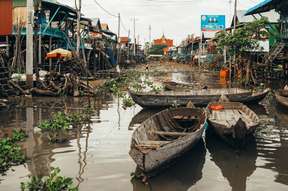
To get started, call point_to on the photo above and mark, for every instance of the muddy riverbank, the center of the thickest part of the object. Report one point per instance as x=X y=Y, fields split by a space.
x=96 y=157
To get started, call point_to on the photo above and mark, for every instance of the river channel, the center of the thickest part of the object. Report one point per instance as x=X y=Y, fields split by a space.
x=97 y=155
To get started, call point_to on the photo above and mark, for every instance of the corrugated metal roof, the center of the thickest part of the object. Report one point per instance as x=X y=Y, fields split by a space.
x=272 y=16
x=263 y=6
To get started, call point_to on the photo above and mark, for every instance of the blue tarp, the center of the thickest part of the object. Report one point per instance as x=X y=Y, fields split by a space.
x=111 y=55
x=261 y=7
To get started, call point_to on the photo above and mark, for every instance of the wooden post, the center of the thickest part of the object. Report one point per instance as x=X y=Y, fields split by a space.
x=29 y=43
x=225 y=55
x=230 y=72
x=134 y=36
x=7 y=48
x=234 y=29
x=248 y=72
x=118 y=44
x=78 y=8
x=50 y=49
x=40 y=44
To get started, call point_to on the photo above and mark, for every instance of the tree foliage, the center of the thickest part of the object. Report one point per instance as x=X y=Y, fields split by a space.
x=244 y=38
x=157 y=49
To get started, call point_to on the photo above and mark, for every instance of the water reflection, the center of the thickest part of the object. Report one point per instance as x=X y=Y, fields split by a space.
x=181 y=176
x=37 y=148
x=97 y=156
x=82 y=161
x=273 y=146
x=235 y=166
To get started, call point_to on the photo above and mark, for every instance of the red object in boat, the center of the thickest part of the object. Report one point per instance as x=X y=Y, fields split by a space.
x=217 y=107
x=224 y=73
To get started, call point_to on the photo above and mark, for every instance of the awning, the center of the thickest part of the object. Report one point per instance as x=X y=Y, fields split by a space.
x=59 y=53
x=264 y=6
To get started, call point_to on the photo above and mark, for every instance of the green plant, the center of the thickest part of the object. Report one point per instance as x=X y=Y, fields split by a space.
x=54 y=182
x=59 y=121
x=18 y=135
x=10 y=154
x=127 y=102
x=118 y=85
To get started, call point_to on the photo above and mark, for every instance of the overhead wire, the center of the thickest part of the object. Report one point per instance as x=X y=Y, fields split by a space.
x=111 y=14
x=105 y=10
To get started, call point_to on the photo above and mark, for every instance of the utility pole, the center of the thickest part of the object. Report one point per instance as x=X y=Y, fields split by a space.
x=40 y=41
x=118 y=44
x=150 y=34
x=128 y=45
x=29 y=43
x=78 y=9
x=134 y=36
x=235 y=15
x=234 y=57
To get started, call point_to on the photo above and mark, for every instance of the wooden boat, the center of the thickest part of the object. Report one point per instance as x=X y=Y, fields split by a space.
x=141 y=116
x=282 y=97
x=232 y=121
x=177 y=86
x=255 y=97
x=165 y=136
x=198 y=97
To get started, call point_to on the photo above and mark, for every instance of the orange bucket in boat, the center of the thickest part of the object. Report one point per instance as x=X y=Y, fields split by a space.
x=216 y=107
x=224 y=73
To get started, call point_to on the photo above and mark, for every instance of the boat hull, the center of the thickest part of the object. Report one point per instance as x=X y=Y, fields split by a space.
x=152 y=161
x=157 y=159
x=235 y=123
x=169 y=100
x=281 y=100
x=229 y=135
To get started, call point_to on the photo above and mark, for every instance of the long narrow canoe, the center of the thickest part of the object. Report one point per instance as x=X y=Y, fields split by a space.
x=165 y=136
x=234 y=122
x=282 y=97
x=197 y=97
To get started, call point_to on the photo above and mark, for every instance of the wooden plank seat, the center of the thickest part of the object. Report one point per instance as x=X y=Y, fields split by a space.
x=185 y=117
x=151 y=144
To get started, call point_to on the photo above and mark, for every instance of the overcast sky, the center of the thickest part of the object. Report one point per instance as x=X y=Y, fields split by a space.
x=175 y=18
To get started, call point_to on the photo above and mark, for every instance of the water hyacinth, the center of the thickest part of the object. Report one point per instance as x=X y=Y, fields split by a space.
x=54 y=182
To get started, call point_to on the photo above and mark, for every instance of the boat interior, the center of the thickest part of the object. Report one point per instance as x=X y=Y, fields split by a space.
x=167 y=126
x=231 y=113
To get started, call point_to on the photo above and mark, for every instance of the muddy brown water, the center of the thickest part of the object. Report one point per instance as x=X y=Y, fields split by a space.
x=97 y=155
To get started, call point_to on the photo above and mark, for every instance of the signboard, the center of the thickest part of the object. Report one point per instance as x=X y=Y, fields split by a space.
x=213 y=22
